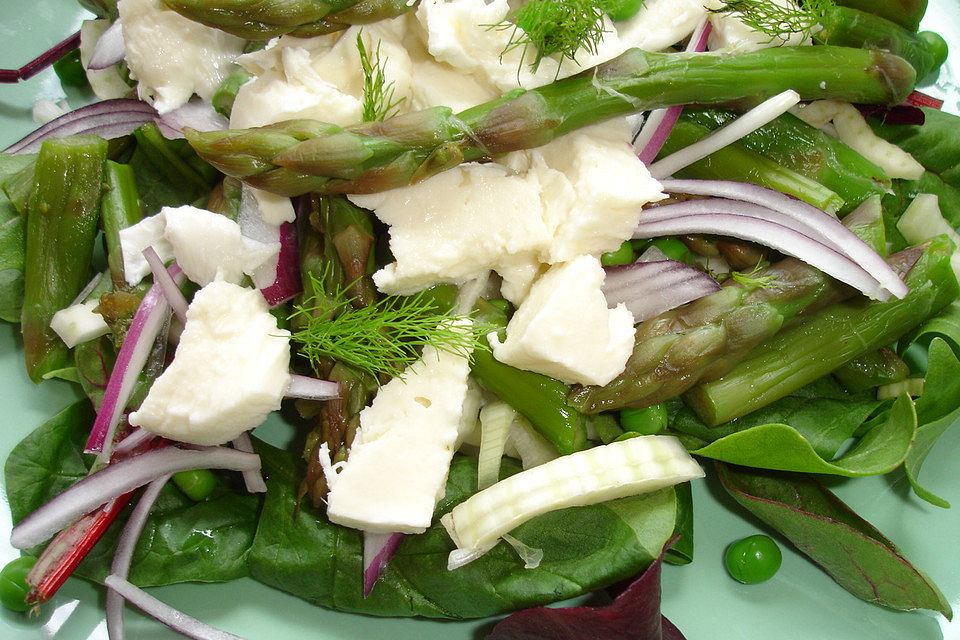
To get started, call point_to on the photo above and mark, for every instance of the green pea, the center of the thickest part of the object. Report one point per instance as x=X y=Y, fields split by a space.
x=623 y=255
x=70 y=70
x=753 y=559
x=13 y=583
x=622 y=9
x=675 y=249
x=646 y=421
x=197 y=484
x=937 y=47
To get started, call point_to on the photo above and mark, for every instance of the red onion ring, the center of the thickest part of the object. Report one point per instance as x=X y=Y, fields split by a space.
x=378 y=548
x=650 y=288
x=252 y=479
x=117 y=479
x=108 y=119
x=161 y=277
x=311 y=388
x=110 y=48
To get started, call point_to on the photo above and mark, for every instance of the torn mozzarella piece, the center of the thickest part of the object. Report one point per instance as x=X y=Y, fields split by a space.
x=730 y=34
x=564 y=329
x=229 y=372
x=398 y=463
x=173 y=57
x=79 y=323
x=661 y=23
x=203 y=243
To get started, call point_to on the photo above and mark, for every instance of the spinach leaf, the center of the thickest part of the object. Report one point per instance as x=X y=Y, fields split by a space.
x=183 y=541
x=846 y=546
x=804 y=432
x=934 y=144
x=12 y=250
x=681 y=551
x=585 y=548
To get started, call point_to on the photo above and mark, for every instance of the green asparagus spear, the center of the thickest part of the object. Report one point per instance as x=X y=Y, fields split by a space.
x=872 y=369
x=906 y=13
x=792 y=143
x=61 y=226
x=119 y=209
x=227 y=92
x=848 y=27
x=737 y=162
x=257 y=20
x=297 y=156
x=539 y=399
x=828 y=338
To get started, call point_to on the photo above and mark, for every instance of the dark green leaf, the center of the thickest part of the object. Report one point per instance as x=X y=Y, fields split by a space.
x=94 y=361
x=183 y=541
x=584 y=548
x=934 y=144
x=681 y=551
x=12 y=248
x=847 y=547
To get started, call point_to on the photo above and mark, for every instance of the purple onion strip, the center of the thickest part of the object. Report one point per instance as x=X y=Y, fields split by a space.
x=109 y=50
x=117 y=479
x=252 y=479
x=784 y=239
x=287 y=283
x=173 y=618
x=311 y=388
x=123 y=554
x=133 y=354
x=161 y=277
x=108 y=118
x=136 y=438
x=767 y=204
x=650 y=288
x=195 y=114
x=378 y=548
x=660 y=122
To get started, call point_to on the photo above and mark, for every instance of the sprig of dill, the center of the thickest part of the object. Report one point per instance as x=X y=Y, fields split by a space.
x=554 y=27
x=779 y=20
x=378 y=101
x=382 y=338
x=750 y=279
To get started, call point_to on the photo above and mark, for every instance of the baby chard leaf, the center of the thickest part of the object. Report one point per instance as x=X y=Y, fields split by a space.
x=843 y=544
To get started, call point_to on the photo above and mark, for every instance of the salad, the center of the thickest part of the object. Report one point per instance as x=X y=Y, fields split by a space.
x=827 y=583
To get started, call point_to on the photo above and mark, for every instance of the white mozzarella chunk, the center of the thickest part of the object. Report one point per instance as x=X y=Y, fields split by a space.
x=173 y=57
x=661 y=23
x=274 y=209
x=729 y=33
x=456 y=225
x=205 y=244
x=397 y=466
x=229 y=372
x=564 y=329
x=79 y=323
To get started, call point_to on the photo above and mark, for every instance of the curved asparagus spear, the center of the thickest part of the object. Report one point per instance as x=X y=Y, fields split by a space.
x=906 y=13
x=297 y=156
x=256 y=20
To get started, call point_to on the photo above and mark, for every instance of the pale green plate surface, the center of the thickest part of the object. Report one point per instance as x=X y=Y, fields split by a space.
x=800 y=603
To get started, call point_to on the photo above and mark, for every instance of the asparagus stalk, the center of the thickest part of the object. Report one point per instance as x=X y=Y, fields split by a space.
x=739 y=163
x=256 y=20
x=227 y=92
x=298 y=156
x=61 y=227
x=539 y=399
x=906 y=13
x=847 y=27
x=872 y=369
x=829 y=338
x=119 y=209
x=792 y=143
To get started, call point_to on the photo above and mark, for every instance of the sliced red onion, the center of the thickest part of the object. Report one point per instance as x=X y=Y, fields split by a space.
x=161 y=277
x=88 y=289
x=252 y=479
x=378 y=548
x=136 y=438
x=109 y=49
x=784 y=239
x=173 y=618
x=107 y=119
x=768 y=204
x=147 y=322
x=727 y=134
x=311 y=388
x=894 y=114
x=650 y=288
x=287 y=282
x=660 y=122
x=195 y=114
x=117 y=479
x=42 y=61
x=123 y=554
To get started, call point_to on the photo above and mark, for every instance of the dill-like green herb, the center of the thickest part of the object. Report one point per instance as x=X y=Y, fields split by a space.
x=750 y=279
x=779 y=20
x=384 y=337
x=378 y=102
x=555 y=26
